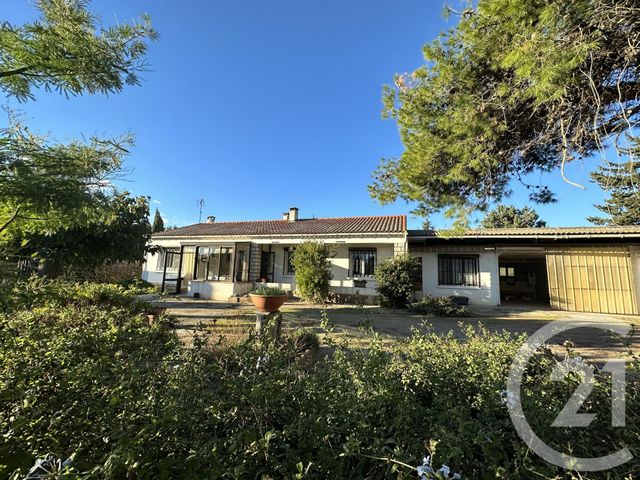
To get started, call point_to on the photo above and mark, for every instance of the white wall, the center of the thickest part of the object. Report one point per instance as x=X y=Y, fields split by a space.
x=341 y=283
x=488 y=293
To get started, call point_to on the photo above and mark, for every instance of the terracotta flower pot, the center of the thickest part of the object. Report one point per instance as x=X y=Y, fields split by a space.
x=267 y=303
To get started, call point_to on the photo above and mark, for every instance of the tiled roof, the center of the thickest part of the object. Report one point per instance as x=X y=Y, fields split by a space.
x=514 y=232
x=305 y=226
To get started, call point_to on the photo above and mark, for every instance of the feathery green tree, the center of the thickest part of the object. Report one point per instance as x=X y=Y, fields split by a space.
x=509 y=216
x=47 y=187
x=516 y=87
x=622 y=181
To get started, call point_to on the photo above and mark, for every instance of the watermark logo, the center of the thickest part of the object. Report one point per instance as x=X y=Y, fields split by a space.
x=569 y=416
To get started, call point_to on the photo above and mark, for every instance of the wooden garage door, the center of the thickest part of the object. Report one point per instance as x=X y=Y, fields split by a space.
x=591 y=279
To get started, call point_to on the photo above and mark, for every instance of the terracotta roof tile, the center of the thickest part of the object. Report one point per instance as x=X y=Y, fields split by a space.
x=305 y=226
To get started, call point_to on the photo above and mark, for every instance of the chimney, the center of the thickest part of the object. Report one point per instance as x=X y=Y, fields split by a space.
x=293 y=214
x=285 y=216
x=211 y=219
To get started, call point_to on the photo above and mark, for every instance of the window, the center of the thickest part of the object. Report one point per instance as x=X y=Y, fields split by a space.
x=214 y=263
x=507 y=272
x=242 y=263
x=288 y=268
x=362 y=262
x=459 y=270
x=173 y=261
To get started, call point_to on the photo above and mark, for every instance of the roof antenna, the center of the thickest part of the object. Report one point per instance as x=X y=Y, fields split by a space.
x=200 y=204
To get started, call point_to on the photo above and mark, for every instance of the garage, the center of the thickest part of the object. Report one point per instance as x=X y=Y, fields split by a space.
x=591 y=279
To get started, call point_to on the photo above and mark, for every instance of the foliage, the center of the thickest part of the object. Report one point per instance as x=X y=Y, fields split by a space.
x=127 y=400
x=51 y=190
x=158 y=222
x=268 y=291
x=427 y=225
x=395 y=278
x=37 y=292
x=69 y=51
x=622 y=181
x=508 y=216
x=305 y=340
x=138 y=286
x=118 y=231
x=312 y=267
x=438 y=307
x=516 y=87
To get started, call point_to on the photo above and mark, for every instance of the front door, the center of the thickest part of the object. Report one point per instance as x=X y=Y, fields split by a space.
x=267 y=264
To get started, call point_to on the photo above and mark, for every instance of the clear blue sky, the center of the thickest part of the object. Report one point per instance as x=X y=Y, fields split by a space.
x=258 y=106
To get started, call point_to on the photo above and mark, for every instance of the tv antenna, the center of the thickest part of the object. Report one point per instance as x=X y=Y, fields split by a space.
x=200 y=204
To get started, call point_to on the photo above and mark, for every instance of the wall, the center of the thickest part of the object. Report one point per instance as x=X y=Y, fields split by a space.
x=341 y=283
x=218 y=290
x=488 y=293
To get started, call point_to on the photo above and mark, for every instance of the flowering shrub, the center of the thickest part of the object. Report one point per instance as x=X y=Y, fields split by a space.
x=126 y=399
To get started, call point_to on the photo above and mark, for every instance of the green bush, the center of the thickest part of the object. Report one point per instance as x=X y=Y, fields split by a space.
x=268 y=291
x=137 y=286
x=313 y=270
x=395 y=278
x=37 y=292
x=128 y=400
x=439 y=307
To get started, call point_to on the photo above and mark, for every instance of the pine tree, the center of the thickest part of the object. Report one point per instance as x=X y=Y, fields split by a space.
x=158 y=223
x=622 y=181
x=508 y=216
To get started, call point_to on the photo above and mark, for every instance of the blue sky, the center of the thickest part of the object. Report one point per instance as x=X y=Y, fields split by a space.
x=258 y=106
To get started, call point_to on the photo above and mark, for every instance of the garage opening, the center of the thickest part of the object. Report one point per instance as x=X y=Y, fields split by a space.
x=523 y=278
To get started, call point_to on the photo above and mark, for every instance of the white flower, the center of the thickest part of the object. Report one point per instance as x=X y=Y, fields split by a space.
x=444 y=469
x=424 y=469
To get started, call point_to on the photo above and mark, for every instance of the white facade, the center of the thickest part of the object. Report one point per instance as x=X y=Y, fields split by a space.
x=487 y=292
x=343 y=283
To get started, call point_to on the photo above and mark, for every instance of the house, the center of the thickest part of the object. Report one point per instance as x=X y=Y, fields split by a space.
x=218 y=260
x=585 y=269
x=591 y=269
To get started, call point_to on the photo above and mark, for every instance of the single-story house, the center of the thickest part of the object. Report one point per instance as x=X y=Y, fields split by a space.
x=218 y=260
x=592 y=269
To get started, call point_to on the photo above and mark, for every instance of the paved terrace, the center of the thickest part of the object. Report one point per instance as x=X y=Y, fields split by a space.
x=235 y=320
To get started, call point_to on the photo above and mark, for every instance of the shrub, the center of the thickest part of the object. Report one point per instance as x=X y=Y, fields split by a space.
x=395 y=278
x=268 y=291
x=439 y=307
x=305 y=340
x=137 y=286
x=312 y=267
x=128 y=400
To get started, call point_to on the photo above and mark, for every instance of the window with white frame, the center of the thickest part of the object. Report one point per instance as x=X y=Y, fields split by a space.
x=459 y=270
x=362 y=262
x=173 y=261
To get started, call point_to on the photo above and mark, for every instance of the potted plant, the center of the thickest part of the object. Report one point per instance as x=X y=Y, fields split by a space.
x=268 y=299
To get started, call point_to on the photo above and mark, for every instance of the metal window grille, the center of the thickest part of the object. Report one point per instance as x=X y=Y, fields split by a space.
x=363 y=262
x=459 y=270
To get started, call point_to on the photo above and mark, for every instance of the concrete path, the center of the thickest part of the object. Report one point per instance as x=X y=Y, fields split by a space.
x=236 y=320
